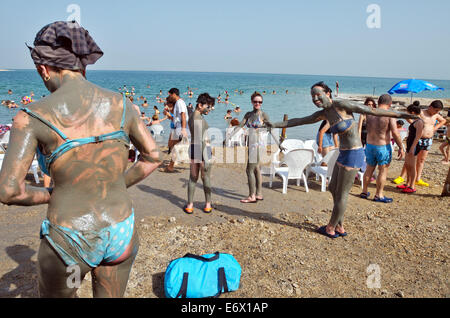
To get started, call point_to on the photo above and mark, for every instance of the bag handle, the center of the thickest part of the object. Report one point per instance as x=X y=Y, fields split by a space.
x=222 y=279
x=204 y=259
x=183 y=289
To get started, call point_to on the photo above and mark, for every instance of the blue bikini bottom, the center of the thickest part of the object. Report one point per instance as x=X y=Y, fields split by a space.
x=93 y=247
x=352 y=158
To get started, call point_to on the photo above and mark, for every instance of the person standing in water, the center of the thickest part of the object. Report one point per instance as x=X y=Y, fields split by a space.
x=83 y=146
x=200 y=153
x=351 y=152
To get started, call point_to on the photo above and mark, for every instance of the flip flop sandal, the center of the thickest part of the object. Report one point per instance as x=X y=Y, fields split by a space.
x=188 y=210
x=323 y=230
x=383 y=199
x=262 y=199
x=402 y=186
x=248 y=201
x=207 y=210
x=364 y=195
x=341 y=234
x=409 y=190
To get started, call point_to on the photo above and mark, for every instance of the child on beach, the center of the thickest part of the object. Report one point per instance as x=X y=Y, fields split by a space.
x=432 y=122
x=445 y=146
x=415 y=131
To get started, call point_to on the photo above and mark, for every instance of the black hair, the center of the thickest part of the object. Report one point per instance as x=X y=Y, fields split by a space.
x=370 y=99
x=400 y=122
x=385 y=99
x=203 y=99
x=437 y=104
x=324 y=86
x=414 y=108
x=175 y=91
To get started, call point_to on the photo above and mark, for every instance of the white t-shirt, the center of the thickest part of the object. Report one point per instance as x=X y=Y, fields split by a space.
x=180 y=107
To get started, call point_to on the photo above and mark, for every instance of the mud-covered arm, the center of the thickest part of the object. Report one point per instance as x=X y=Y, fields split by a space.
x=150 y=156
x=21 y=151
x=362 y=109
x=314 y=118
x=269 y=125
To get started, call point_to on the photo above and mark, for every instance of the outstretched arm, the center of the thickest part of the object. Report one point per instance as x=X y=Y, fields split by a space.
x=314 y=118
x=362 y=109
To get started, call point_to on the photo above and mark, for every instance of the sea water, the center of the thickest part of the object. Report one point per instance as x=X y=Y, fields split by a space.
x=292 y=92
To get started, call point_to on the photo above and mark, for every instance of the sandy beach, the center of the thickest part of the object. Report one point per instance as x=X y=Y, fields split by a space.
x=274 y=241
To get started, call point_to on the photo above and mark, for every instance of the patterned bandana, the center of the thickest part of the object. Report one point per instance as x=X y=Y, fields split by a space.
x=65 y=45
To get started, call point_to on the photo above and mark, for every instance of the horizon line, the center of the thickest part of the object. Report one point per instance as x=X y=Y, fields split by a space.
x=222 y=72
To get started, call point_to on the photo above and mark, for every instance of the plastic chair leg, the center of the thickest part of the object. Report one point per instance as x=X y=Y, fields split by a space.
x=285 y=184
x=324 y=185
x=306 y=183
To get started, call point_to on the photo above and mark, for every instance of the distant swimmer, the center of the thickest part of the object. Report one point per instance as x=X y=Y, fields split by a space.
x=237 y=109
x=10 y=92
x=228 y=116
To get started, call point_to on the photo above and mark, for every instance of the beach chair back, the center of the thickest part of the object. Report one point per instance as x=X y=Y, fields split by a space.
x=297 y=160
x=330 y=160
x=291 y=144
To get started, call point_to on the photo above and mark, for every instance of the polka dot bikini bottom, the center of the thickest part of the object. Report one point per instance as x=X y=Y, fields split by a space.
x=94 y=247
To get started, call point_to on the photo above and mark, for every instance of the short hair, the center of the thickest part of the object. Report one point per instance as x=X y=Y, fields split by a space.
x=385 y=99
x=324 y=86
x=255 y=94
x=234 y=122
x=229 y=111
x=437 y=104
x=211 y=100
x=203 y=99
x=175 y=91
x=400 y=122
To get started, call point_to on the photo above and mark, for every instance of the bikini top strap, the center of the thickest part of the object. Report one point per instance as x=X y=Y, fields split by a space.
x=124 y=111
x=46 y=122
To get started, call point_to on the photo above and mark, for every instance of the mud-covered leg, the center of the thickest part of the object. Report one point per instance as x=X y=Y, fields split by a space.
x=55 y=279
x=110 y=281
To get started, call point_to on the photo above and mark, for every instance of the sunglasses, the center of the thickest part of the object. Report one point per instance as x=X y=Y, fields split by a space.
x=257 y=102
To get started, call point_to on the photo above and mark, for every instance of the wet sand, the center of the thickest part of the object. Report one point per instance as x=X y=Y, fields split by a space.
x=274 y=240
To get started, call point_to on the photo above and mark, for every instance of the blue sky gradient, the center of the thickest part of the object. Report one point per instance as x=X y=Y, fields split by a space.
x=325 y=37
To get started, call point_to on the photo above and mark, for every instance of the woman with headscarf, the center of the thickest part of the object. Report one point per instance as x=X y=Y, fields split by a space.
x=81 y=133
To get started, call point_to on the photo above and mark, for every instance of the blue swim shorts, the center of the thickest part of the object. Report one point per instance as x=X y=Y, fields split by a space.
x=327 y=140
x=378 y=155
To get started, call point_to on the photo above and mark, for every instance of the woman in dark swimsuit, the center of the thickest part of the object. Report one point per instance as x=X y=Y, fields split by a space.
x=82 y=133
x=351 y=155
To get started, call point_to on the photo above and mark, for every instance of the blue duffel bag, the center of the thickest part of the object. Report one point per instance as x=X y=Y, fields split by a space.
x=204 y=276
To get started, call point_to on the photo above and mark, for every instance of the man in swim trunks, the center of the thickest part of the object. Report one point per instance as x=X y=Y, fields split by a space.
x=180 y=120
x=378 y=149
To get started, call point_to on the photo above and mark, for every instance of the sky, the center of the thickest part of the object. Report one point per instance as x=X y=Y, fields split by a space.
x=328 y=37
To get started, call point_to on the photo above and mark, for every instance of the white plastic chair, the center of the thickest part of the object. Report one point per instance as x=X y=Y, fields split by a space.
x=4 y=141
x=312 y=144
x=325 y=172
x=288 y=145
x=296 y=162
x=238 y=137
x=33 y=168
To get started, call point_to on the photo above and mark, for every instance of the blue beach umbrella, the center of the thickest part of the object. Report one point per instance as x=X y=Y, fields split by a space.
x=412 y=86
